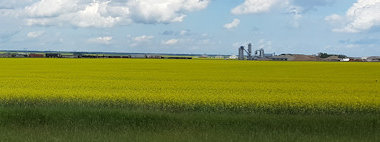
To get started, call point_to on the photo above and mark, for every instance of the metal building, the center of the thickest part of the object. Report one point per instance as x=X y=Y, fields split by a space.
x=241 y=53
x=260 y=53
x=250 y=52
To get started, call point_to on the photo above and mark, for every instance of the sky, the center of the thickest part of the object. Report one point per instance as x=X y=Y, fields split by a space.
x=350 y=27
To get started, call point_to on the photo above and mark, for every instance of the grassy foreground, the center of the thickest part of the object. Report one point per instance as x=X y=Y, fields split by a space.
x=188 y=100
x=78 y=122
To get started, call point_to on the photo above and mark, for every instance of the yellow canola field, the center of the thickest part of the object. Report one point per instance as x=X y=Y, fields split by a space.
x=193 y=82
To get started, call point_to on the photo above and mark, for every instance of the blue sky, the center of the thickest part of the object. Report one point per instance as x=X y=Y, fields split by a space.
x=350 y=27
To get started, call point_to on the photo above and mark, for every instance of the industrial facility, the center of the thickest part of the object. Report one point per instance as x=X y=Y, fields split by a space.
x=258 y=54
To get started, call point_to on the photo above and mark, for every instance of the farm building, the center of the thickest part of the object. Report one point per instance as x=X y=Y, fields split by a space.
x=233 y=57
x=373 y=59
x=204 y=56
x=154 y=57
x=269 y=55
x=138 y=56
x=89 y=56
x=345 y=60
x=178 y=58
x=19 y=55
x=219 y=57
x=279 y=59
x=5 y=55
x=53 y=55
x=117 y=56
x=77 y=55
x=36 y=55
x=68 y=56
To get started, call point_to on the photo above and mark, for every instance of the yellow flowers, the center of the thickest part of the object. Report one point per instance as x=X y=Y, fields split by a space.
x=193 y=82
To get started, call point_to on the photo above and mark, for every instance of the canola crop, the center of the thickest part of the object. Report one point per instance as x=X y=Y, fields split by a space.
x=190 y=83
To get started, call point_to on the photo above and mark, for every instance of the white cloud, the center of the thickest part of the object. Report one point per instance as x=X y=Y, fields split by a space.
x=102 y=40
x=143 y=38
x=49 y=8
x=170 y=42
x=295 y=8
x=257 y=6
x=11 y=4
x=177 y=33
x=264 y=44
x=333 y=18
x=163 y=11
x=362 y=16
x=262 y=6
x=183 y=32
x=103 y=13
x=35 y=34
x=336 y=20
x=94 y=15
x=295 y=11
x=233 y=24
x=312 y=4
x=39 y=21
x=75 y=12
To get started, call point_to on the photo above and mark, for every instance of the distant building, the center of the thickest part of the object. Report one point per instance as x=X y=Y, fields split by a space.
x=77 y=55
x=36 y=55
x=219 y=57
x=269 y=55
x=241 y=53
x=69 y=56
x=233 y=57
x=112 y=56
x=279 y=59
x=204 y=56
x=154 y=57
x=19 y=55
x=53 y=55
x=5 y=55
x=345 y=60
x=260 y=53
x=173 y=57
x=138 y=56
x=373 y=59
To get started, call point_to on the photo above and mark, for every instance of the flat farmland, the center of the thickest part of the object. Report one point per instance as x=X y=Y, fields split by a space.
x=188 y=100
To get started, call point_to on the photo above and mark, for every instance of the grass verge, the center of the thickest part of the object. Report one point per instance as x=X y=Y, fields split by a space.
x=100 y=122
